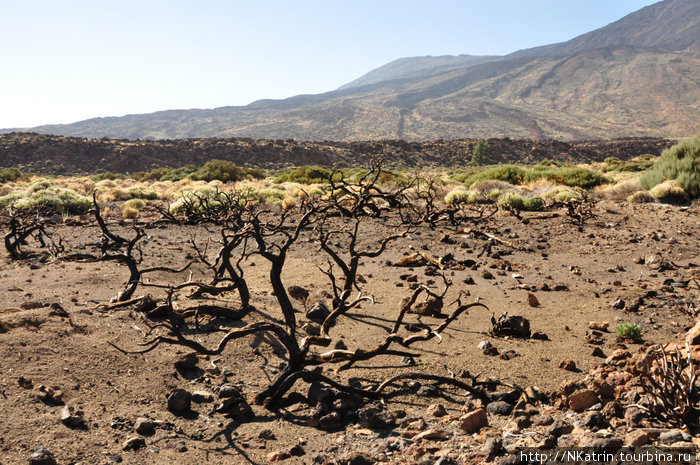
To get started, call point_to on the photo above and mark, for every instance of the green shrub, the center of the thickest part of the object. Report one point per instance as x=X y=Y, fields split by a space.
x=52 y=199
x=563 y=194
x=219 y=170
x=10 y=175
x=102 y=175
x=680 y=163
x=511 y=200
x=460 y=195
x=579 y=177
x=305 y=175
x=533 y=204
x=511 y=174
x=629 y=331
x=134 y=203
x=572 y=176
x=135 y=192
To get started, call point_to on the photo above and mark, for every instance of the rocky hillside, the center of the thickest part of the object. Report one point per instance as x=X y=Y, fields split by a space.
x=68 y=155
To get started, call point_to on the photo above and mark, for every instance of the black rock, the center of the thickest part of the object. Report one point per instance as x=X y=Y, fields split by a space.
x=499 y=408
x=179 y=401
x=318 y=312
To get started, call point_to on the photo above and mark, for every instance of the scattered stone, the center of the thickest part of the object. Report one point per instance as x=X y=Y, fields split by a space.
x=179 y=401
x=598 y=352
x=430 y=307
x=25 y=383
x=311 y=329
x=567 y=364
x=356 y=458
x=178 y=446
x=637 y=438
x=146 y=304
x=298 y=293
x=267 y=434
x=51 y=395
x=618 y=357
x=318 y=312
x=560 y=428
x=331 y=422
x=187 y=362
x=669 y=437
x=133 y=443
x=432 y=435
x=487 y=348
x=532 y=300
x=486 y=274
x=534 y=393
x=73 y=418
x=608 y=445
x=319 y=394
x=31 y=305
x=693 y=335
x=599 y=325
x=42 y=456
x=436 y=411
x=508 y=354
x=429 y=390
x=469 y=281
x=594 y=420
x=594 y=338
x=229 y=390
x=499 y=408
x=144 y=426
x=510 y=325
x=634 y=416
x=582 y=400
x=618 y=304
x=376 y=416
x=200 y=397
x=278 y=456
x=492 y=448
x=474 y=421
x=539 y=335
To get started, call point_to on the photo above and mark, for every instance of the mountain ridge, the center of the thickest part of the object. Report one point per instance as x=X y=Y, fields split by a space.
x=638 y=76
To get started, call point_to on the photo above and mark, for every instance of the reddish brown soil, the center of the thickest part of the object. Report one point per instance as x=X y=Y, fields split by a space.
x=598 y=264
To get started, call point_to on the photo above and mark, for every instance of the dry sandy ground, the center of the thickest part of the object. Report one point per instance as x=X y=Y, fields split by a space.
x=598 y=264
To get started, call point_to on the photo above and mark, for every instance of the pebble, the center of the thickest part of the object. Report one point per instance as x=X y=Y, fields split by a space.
x=42 y=456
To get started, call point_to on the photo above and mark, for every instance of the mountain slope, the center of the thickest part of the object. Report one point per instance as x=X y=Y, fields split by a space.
x=639 y=76
x=416 y=68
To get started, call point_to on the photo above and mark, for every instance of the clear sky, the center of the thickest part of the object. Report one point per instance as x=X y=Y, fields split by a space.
x=66 y=60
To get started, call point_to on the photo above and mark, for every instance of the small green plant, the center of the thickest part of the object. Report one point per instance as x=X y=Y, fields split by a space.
x=629 y=331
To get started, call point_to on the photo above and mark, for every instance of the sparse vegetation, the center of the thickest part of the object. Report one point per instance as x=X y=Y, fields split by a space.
x=629 y=331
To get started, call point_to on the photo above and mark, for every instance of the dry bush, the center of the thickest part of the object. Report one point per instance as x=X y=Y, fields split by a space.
x=619 y=192
x=671 y=387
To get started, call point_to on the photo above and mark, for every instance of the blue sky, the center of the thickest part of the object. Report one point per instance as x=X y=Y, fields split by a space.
x=63 y=61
